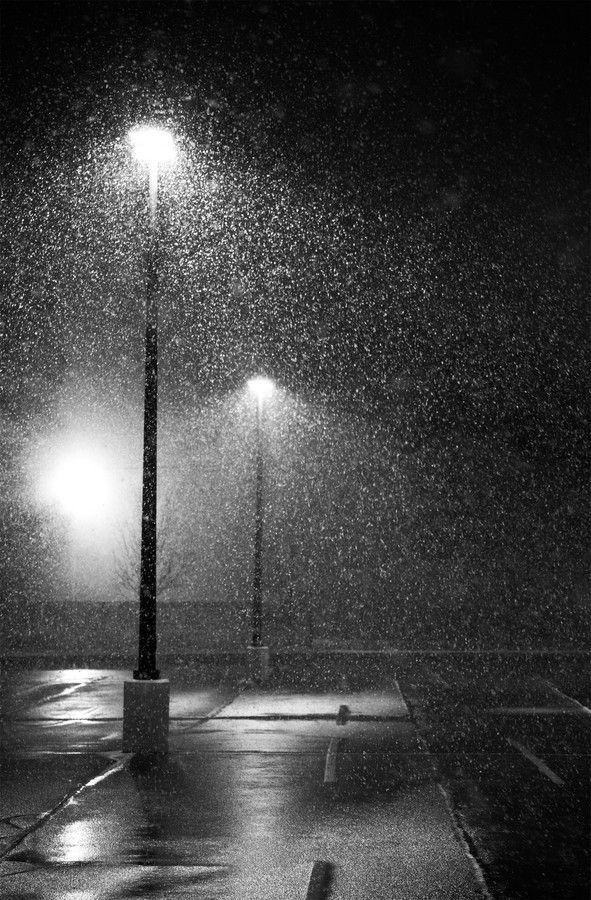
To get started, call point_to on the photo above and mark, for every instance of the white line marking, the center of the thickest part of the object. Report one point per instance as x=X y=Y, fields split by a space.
x=434 y=677
x=572 y=700
x=539 y=763
x=112 y=770
x=330 y=768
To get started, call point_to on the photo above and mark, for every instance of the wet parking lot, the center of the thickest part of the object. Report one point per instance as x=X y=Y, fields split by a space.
x=413 y=784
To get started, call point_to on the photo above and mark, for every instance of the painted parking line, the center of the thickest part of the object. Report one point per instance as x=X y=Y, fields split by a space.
x=559 y=693
x=320 y=880
x=433 y=677
x=539 y=763
x=330 y=768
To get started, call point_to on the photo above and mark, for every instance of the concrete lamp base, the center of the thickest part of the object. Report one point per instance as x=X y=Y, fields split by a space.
x=257 y=661
x=145 y=716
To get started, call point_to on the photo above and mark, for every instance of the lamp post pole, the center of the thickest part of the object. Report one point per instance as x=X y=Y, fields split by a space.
x=257 y=606
x=146 y=669
x=257 y=653
x=146 y=698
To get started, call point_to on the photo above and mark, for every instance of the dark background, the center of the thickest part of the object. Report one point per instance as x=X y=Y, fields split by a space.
x=384 y=205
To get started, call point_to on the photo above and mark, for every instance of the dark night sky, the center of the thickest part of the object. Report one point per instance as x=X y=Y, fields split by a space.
x=508 y=74
x=384 y=205
x=402 y=193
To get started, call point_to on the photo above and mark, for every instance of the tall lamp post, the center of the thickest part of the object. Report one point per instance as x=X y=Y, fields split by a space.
x=261 y=388
x=146 y=699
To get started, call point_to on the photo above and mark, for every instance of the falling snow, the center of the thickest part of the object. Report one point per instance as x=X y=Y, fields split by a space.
x=382 y=211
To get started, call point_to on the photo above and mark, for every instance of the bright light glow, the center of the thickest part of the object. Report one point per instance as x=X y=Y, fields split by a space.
x=76 y=842
x=152 y=145
x=79 y=484
x=261 y=387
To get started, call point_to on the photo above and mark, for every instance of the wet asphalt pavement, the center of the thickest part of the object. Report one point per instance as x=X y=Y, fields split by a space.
x=428 y=785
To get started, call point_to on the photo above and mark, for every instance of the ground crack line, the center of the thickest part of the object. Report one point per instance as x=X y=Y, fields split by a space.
x=67 y=798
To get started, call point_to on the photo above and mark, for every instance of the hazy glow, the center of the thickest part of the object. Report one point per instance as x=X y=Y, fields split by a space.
x=261 y=387
x=152 y=145
x=79 y=483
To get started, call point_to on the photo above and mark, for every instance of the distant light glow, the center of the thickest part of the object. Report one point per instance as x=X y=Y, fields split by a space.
x=79 y=483
x=152 y=145
x=261 y=387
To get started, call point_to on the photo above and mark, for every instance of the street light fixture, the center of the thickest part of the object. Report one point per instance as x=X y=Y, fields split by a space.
x=146 y=711
x=262 y=389
x=153 y=147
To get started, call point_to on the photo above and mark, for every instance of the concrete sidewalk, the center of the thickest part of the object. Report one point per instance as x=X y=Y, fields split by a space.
x=231 y=826
x=240 y=807
x=376 y=705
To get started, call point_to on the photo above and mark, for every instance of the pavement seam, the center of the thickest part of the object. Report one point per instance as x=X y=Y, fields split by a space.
x=527 y=711
x=312 y=717
x=463 y=836
x=460 y=830
x=330 y=767
x=201 y=720
x=67 y=798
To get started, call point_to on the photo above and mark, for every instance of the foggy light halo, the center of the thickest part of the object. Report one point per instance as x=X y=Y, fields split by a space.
x=152 y=145
x=79 y=484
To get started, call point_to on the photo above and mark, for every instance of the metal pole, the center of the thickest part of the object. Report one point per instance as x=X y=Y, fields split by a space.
x=257 y=606
x=147 y=621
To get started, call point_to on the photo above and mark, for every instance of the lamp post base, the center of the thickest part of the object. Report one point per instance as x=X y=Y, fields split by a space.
x=257 y=661
x=145 y=716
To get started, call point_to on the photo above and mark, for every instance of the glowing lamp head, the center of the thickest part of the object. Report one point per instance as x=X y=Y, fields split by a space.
x=152 y=145
x=261 y=388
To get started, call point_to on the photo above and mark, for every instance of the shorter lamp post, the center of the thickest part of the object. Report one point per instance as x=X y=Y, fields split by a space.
x=258 y=655
x=146 y=698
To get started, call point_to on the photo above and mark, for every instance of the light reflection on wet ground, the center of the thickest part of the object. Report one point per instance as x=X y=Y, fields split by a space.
x=251 y=819
x=239 y=808
x=248 y=825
